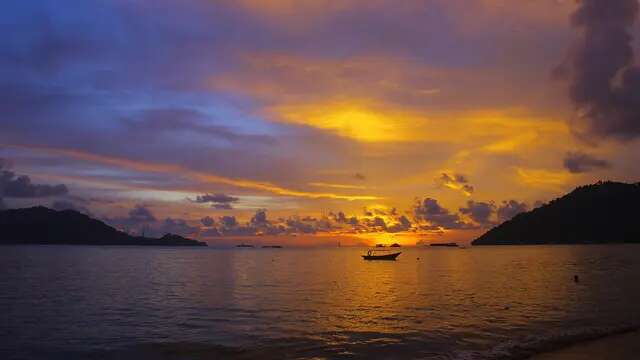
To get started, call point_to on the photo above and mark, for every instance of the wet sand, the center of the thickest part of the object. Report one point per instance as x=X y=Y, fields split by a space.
x=615 y=347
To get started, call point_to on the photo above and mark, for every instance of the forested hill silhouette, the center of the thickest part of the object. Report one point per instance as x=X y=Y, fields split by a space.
x=40 y=225
x=605 y=212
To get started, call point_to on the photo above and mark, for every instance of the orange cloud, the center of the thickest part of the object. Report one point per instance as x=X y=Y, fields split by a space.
x=337 y=186
x=386 y=99
x=544 y=178
x=352 y=121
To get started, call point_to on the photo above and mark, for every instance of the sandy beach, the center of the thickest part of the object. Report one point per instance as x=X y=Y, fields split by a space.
x=615 y=347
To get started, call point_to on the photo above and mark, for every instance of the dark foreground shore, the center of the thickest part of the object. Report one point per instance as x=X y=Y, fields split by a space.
x=615 y=347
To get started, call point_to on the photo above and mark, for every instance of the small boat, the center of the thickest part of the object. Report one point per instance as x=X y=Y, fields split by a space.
x=272 y=247
x=380 y=255
x=245 y=246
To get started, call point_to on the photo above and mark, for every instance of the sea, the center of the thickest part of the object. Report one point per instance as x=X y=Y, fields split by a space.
x=494 y=302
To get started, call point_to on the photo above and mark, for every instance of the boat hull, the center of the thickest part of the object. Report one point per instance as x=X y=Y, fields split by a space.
x=381 y=257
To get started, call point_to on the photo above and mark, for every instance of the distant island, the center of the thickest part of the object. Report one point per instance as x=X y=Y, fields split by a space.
x=601 y=213
x=41 y=225
x=449 y=244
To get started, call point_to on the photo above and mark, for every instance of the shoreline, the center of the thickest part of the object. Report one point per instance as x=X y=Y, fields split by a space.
x=625 y=345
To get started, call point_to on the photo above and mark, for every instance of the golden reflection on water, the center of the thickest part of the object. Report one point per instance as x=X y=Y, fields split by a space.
x=333 y=290
x=317 y=302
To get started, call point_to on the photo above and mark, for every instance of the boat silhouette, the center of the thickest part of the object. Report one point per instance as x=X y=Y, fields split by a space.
x=380 y=255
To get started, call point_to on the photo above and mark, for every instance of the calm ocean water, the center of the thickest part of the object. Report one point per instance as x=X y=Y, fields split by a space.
x=78 y=302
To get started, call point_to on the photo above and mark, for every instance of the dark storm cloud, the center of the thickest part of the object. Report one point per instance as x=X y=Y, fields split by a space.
x=260 y=218
x=462 y=179
x=228 y=221
x=210 y=232
x=137 y=218
x=215 y=198
x=12 y=185
x=605 y=85
x=578 y=162
x=175 y=226
x=300 y=226
x=428 y=210
x=140 y=214
x=21 y=187
x=482 y=214
x=511 y=208
x=479 y=211
x=260 y=224
x=141 y=220
x=207 y=221
x=217 y=201
x=428 y=215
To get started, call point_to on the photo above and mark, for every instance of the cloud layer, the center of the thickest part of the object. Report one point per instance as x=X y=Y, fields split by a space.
x=605 y=81
x=578 y=162
x=20 y=186
x=217 y=201
x=312 y=110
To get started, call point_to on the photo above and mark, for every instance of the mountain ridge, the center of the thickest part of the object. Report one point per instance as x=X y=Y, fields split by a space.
x=41 y=225
x=600 y=213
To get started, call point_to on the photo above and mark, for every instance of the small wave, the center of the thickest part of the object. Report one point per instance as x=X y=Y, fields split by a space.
x=523 y=348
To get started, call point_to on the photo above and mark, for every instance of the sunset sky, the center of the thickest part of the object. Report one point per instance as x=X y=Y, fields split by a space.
x=354 y=121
